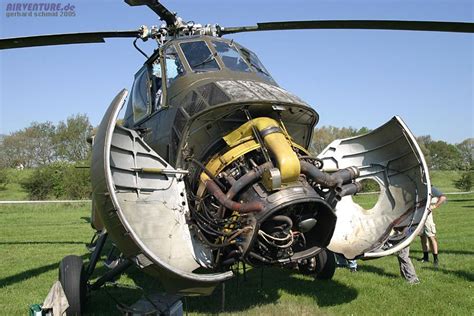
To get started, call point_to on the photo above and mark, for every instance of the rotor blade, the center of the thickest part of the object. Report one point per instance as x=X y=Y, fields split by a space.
x=61 y=39
x=431 y=26
x=165 y=14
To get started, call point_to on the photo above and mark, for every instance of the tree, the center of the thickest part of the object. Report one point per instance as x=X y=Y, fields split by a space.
x=59 y=179
x=40 y=142
x=444 y=156
x=423 y=142
x=30 y=146
x=45 y=181
x=71 y=138
x=465 y=182
x=466 y=148
x=4 y=178
x=44 y=143
x=16 y=150
x=323 y=136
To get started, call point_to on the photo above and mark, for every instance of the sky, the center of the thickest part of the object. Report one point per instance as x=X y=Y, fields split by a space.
x=351 y=77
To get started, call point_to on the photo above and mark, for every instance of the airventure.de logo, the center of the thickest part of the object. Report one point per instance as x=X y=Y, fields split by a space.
x=39 y=9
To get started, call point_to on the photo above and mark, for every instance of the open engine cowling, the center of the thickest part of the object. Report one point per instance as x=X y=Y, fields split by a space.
x=390 y=156
x=257 y=196
x=141 y=201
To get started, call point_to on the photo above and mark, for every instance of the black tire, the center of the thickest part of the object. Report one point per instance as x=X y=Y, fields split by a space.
x=325 y=265
x=72 y=278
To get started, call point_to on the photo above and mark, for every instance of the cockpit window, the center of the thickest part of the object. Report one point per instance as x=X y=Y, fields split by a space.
x=174 y=67
x=230 y=56
x=140 y=96
x=199 y=56
x=255 y=63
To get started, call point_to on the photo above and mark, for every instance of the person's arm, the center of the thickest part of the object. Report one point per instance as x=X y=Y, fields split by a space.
x=440 y=201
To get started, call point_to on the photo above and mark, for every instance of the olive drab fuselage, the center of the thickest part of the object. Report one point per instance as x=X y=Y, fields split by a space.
x=171 y=111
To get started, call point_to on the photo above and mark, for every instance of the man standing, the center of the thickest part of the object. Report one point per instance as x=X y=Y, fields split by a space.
x=407 y=270
x=428 y=235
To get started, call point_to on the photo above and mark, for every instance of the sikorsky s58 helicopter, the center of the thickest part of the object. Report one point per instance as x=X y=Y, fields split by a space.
x=211 y=166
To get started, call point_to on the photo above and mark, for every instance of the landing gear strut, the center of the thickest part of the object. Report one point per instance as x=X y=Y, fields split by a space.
x=75 y=276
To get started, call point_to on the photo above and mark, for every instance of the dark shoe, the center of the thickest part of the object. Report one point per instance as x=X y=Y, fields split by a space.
x=436 y=264
x=423 y=260
x=414 y=281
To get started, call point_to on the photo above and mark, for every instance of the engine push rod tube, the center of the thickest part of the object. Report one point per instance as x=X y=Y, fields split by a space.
x=214 y=189
x=349 y=189
x=250 y=177
x=327 y=180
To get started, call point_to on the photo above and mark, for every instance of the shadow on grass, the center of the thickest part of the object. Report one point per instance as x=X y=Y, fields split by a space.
x=377 y=270
x=24 y=275
x=240 y=294
x=450 y=252
x=264 y=289
x=43 y=243
x=458 y=273
x=104 y=300
x=460 y=200
x=19 y=277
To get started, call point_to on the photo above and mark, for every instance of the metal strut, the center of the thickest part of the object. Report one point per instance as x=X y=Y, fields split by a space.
x=110 y=275
x=95 y=256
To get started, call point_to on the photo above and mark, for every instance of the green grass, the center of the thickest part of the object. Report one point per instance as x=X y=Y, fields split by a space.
x=13 y=190
x=34 y=238
x=443 y=179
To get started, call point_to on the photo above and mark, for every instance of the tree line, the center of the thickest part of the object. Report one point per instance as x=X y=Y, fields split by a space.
x=44 y=143
x=439 y=155
x=60 y=155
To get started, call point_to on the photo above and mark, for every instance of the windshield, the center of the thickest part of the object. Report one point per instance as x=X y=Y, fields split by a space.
x=199 y=56
x=255 y=63
x=230 y=56
x=174 y=67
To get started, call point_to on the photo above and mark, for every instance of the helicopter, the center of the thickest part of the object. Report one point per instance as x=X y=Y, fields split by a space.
x=211 y=166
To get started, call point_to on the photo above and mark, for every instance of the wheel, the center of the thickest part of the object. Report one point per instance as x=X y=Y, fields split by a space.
x=325 y=265
x=73 y=281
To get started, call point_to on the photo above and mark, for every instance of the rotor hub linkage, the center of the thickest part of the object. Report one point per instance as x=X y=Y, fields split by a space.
x=179 y=29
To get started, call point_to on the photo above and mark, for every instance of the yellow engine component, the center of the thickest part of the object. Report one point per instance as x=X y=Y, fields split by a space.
x=218 y=163
x=275 y=140
x=241 y=141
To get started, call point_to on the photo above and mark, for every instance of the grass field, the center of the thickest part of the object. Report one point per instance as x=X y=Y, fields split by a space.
x=34 y=238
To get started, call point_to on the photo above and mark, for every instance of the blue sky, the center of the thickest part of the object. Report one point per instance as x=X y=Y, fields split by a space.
x=352 y=78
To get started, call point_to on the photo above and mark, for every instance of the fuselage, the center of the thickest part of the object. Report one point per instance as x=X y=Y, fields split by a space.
x=194 y=90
